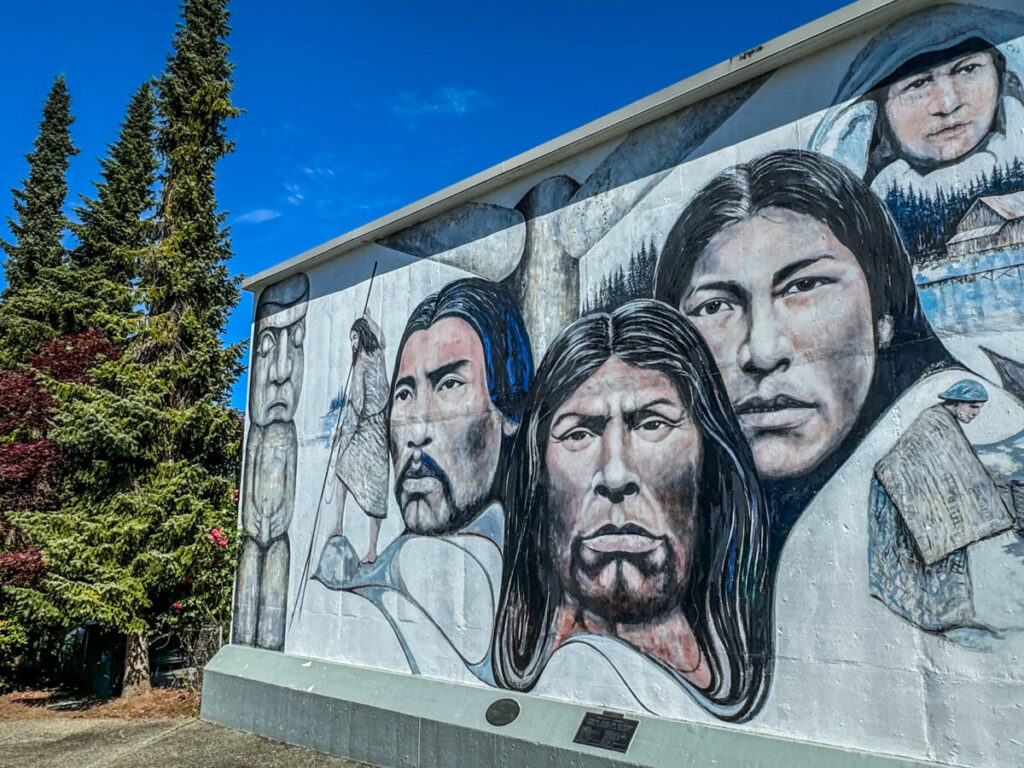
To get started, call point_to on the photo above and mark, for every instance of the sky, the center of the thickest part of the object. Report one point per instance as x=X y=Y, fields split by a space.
x=355 y=109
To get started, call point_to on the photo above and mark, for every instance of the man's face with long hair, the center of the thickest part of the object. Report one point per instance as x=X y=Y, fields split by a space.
x=785 y=309
x=623 y=457
x=445 y=430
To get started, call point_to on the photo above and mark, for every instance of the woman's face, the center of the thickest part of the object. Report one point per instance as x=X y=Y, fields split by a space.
x=942 y=113
x=786 y=311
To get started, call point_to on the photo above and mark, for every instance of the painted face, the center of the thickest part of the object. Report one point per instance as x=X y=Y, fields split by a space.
x=785 y=308
x=445 y=430
x=276 y=372
x=943 y=113
x=967 y=412
x=623 y=456
x=353 y=338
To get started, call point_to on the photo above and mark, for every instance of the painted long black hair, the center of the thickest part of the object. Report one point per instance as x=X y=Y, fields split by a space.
x=492 y=313
x=817 y=186
x=368 y=342
x=728 y=599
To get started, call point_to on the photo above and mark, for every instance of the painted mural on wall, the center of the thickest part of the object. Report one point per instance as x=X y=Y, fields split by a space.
x=721 y=421
x=271 y=457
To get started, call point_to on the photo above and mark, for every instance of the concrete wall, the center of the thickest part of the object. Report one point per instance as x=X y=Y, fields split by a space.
x=701 y=422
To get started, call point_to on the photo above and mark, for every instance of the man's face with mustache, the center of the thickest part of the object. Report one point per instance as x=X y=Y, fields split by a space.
x=940 y=114
x=445 y=430
x=623 y=457
x=277 y=366
x=785 y=308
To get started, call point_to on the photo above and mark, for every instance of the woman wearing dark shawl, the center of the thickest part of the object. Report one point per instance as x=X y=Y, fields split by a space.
x=932 y=101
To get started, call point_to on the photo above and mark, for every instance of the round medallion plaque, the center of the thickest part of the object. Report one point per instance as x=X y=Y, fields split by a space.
x=502 y=712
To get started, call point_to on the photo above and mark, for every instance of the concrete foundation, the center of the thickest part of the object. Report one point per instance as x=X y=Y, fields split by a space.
x=403 y=720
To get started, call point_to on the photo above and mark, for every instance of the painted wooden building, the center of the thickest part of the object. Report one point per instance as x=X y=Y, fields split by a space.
x=990 y=224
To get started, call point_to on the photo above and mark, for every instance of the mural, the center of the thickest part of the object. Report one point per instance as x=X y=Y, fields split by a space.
x=359 y=459
x=634 y=512
x=769 y=470
x=930 y=501
x=794 y=274
x=271 y=457
x=930 y=114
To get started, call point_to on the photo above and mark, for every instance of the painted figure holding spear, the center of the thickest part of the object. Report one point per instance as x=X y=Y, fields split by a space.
x=361 y=468
x=359 y=465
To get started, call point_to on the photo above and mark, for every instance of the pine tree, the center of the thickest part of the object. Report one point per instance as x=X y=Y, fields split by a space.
x=30 y=300
x=153 y=448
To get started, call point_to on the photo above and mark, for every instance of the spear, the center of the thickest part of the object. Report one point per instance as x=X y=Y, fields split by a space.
x=328 y=475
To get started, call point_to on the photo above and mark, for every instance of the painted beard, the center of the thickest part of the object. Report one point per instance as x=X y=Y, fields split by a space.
x=435 y=524
x=624 y=585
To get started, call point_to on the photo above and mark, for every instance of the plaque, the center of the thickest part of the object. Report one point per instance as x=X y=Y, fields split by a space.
x=606 y=731
x=502 y=711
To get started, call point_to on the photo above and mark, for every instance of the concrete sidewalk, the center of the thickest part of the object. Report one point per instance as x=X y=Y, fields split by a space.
x=100 y=743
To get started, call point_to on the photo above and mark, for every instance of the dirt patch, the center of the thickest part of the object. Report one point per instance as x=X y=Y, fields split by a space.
x=162 y=702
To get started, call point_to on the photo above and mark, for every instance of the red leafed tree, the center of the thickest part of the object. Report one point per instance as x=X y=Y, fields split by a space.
x=29 y=459
x=68 y=359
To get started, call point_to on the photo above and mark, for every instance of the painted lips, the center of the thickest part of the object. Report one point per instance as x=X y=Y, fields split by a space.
x=779 y=412
x=950 y=131
x=629 y=538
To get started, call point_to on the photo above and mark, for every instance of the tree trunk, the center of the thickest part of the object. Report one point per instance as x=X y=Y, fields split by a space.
x=136 y=666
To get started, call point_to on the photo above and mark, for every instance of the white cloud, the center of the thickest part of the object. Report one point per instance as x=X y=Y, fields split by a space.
x=447 y=101
x=258 y=216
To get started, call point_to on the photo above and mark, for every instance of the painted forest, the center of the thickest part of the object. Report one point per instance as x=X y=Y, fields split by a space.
x=927 y=222
x=119 y=452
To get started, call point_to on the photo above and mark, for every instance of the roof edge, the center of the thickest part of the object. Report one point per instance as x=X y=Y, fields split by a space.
x=799 y=43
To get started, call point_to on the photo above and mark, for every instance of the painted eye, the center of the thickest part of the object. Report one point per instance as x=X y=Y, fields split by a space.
x=449 y=384
x=917 y=83
x=968 y=68
x=575 y=439
x=403 y=395
x=713 y=307
x=803 y=285
x=267 y=344
x=654 y=429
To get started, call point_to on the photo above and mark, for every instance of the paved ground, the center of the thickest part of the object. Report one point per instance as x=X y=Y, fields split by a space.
x=168 y=743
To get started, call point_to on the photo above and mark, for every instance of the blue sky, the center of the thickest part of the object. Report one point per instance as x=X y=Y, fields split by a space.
x=355 y=109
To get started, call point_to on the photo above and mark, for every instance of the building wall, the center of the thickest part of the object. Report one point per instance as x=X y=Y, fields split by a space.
x=677 y=425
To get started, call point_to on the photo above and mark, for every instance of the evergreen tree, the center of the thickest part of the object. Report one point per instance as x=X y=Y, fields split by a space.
x=152 y=447
x=30 y=302
x=112 y=230
x=39 y=206
x=184 y=280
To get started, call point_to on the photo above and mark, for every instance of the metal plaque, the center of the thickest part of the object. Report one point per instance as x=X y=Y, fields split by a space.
x=606 y=731
x=502 y=711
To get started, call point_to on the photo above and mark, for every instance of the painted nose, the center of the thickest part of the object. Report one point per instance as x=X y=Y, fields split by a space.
x=767 y=347
x=418 y=437
x=615 y=479
x=617 y=495
x=282 y=370
x=945 y=98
